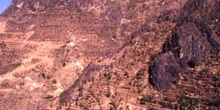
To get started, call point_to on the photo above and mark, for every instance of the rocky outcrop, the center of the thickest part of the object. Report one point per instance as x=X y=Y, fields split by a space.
x=190 y=44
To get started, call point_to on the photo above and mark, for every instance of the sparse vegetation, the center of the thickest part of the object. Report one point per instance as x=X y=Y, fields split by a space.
x=218 y=33
x=187 y=103
x=168 y=105
x=108 y=76
x=126 y=74
x=113 y=106
x=140 y=73
x=147 y=99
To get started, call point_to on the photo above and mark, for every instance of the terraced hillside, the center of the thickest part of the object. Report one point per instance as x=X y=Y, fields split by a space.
x=110 y=55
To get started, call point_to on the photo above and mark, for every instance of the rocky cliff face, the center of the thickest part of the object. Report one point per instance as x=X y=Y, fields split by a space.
x=110 y=54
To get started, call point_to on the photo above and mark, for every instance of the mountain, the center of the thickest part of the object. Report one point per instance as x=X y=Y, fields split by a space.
x=110 y=55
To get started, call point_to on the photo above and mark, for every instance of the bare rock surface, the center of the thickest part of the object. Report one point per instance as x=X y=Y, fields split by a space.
x=164 y=71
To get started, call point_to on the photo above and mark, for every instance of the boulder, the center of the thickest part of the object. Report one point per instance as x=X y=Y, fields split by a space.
x=164 y=70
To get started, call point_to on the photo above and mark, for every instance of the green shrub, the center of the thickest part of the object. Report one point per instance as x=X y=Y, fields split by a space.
x=187 y=103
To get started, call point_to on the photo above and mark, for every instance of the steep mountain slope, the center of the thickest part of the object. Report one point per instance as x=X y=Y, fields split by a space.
x=110 y=54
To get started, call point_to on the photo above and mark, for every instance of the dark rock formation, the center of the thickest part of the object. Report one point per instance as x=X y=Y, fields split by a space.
x=188 y=44
x=164 y=71
x=191 y=43
x=188 y=47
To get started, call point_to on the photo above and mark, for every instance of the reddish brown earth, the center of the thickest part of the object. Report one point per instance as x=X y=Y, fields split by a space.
x=98 y=55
